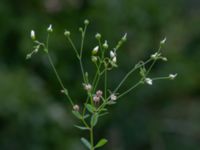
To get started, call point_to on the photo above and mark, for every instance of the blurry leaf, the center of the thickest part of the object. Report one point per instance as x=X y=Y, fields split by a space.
x=81 y=128
x=85 y=142
x=101 y=143
x=94 y=119
x=77 y=114
x=90 y=108
x=86 y=116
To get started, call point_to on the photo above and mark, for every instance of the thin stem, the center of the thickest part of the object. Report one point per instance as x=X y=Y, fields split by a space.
x=73 y=46
x=160 y=78
x=92 y=138
x=129 y=73
x=59 y=79
x=105 y=82
x=130 y=89
x=153 y=63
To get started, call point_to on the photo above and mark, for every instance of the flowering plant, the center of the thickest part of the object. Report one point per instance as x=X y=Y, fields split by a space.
x=98 y=99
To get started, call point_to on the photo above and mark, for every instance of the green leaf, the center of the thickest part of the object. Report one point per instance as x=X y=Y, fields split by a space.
x=77 y=114
x=90 y=108
x=111 y=102
x=86 y=143
x=81 y=128
x=94 y=119
x=101 y=143
x=86 y=116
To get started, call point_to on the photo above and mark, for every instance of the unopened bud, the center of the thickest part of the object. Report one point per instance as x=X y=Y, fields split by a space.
x=67 y=33
x=50 y=29
x=105 y=45
x=148 y=81
x=94 y=59
x=163 y=41
x=124 y=38
x=86 y=22
x=96 y=99
x=32 y=34
x=76 y=107
x=113 y=97
x=98 y=36
x=172 y=76
x=95 y=50
x=114 y=59
x=112 y=54
x=99 y=93
x=87 y=87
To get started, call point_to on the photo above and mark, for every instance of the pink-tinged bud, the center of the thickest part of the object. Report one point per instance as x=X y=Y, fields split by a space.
x=76 y=107
x=99 y=93
x=96 y=99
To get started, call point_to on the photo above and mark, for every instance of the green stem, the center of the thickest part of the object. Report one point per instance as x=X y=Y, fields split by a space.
x=92 y=138
x=59 y=79
x=129 y=73
x=105 y=83
x=130 y=89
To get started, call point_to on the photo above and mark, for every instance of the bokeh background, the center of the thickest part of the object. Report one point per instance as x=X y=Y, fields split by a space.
x=34 y=115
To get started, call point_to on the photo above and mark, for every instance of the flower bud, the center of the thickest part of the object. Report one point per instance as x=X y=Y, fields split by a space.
x=32 y=34
x=124 y=38
x=50 y=29
x=86 y=22
x=94 y=59
x=114 y=60
x=87 y=87
x=163 y=41
x=95 y=50
x=98 y=36
x=112 y=54
x=113 y=97
x=76 y=107
x=148 y=81
x=105 y=45
x=96 y=99
x=99 y=93
x=67 y=33
x=172 y=76
x=155 y=56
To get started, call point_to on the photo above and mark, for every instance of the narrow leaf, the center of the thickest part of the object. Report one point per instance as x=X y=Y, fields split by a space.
x=81 y=128
x=90 y=108
x=77 y=114
x=86 y=116
x=86 y=143
x=101 y=143
x=94 y=119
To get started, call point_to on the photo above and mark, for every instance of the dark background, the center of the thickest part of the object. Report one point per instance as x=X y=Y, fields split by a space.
x=35 y=116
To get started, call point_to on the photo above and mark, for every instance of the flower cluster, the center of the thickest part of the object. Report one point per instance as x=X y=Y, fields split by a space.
x=105 y=59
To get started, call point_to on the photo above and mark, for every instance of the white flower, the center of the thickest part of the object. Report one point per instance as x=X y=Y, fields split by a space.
x=95 y=50
x=113 y=97
x=112 y=54
x=50 y=29
x=76 y=107
x=149 y=81
x=114 y=60
x=172 y=76
x=87 y=87
x=32 y=34
x=163 y=41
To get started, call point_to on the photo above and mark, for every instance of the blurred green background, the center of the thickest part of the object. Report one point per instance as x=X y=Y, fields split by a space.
x=35 y=116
